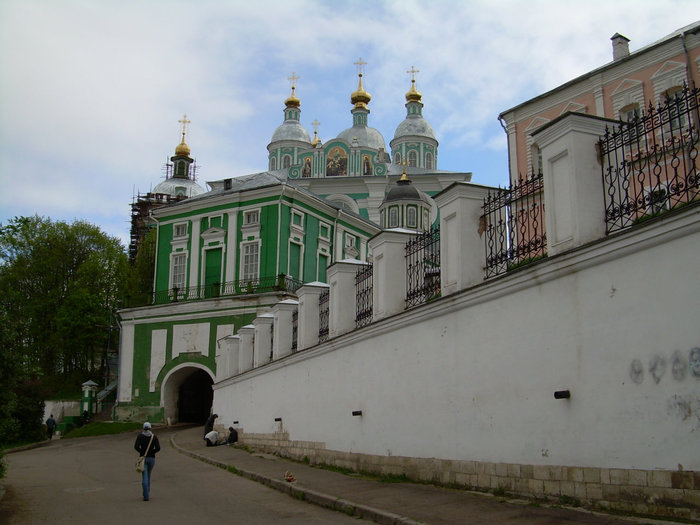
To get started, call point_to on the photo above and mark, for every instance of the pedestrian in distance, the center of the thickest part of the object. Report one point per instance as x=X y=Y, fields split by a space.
x=209 y=425
x=147 y=445
x=212 y=438
x=50 y=426
x=232 y=436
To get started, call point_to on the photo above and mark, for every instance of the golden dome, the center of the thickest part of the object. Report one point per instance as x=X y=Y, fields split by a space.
x=182 y=148
x=360 y=97
x=292 y=101
x=413 y=94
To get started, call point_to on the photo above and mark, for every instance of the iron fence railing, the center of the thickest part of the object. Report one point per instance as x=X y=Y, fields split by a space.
x=513 y=225
x=363 y=296
x=280 y=283
x=650 y=163
x=423 y=268
x=295 y=330
x=323 y=306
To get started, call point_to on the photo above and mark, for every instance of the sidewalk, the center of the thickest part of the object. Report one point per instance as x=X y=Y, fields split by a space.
x=386 y=503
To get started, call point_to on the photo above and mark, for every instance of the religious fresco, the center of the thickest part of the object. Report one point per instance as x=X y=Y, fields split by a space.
x=306 y=171
x=337 y=163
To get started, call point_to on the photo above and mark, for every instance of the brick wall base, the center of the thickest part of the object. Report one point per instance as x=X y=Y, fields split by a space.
x=655 y=492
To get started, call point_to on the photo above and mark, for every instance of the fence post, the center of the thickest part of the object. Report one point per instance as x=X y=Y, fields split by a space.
x=389 y=260
x=282 y=327
x=573 y=187
x=341 y=308
x=462 y=249
x=263 y=339
x=308 y=324
x=227 y=358
x=247 y=335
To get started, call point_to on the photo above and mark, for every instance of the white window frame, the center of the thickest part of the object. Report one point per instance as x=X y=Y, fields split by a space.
x=327 y=227
x=411 y=217
x=178 y=228
x=273 y=164
x=394 y=217
x=413 y=158
x=248 y=273
x=428 y=160
x=251 y=217
x=286 y=162
x=178 y=271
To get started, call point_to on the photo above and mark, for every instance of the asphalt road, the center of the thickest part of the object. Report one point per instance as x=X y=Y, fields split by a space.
x=93 y=481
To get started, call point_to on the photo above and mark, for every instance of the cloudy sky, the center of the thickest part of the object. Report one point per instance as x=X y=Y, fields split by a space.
x=91 y=91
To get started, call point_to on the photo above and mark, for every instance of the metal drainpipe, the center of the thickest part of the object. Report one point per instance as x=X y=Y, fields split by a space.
x=505 y=129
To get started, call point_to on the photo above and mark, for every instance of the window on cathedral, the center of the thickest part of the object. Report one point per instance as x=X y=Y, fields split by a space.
x=366 y=165
x=429 y=161
x=397 y=158
x=273 y=164
x=349 y=240
x=297 y=219
x=251 y=260
x=324 y=232
x=382 y=218
x=412 y=158
x=180 y=230
x=393 y=217
x=411 y=217
x=426 y=220
x=286 y=161
x=177 y=272
x=251 y=217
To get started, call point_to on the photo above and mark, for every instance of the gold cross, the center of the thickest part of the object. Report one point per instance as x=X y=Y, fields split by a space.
x=315 y=124
x=359 y=65
x=293 y=79
x=184 y=123
x=413 y=72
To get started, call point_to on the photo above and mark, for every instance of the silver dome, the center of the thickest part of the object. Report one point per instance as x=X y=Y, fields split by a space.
x=366 y=137
x=414 y=126
x=291 y=130
x=177 y=187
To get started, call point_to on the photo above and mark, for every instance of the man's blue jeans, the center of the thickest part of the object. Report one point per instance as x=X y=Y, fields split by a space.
x=146 y=478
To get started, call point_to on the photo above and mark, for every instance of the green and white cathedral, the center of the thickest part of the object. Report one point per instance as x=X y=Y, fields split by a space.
x=229 y=254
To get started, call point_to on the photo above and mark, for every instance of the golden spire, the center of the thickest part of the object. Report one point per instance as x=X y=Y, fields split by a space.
x=183 y=148
x=360 y=97
x=293 y=101
x=413 y=94
x=315 y=140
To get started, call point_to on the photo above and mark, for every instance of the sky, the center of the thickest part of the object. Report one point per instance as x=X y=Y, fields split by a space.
x=91 y=91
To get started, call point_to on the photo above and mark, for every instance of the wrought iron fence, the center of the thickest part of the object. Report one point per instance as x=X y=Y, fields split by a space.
x=363 y=296
x=650 y=163
x=323 y=305
x=423 y=268
x=295 y=330
x=279 y=283
x=513 y=224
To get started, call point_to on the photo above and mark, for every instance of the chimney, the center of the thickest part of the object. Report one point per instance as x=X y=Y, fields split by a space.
x=621 y=46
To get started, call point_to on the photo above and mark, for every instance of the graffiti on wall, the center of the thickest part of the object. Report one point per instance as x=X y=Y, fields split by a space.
x=679 y=366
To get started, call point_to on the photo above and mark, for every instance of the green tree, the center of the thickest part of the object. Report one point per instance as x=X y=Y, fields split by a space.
x=59 y=285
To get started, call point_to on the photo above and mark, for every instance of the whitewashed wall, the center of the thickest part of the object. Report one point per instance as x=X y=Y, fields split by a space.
x=472 y=375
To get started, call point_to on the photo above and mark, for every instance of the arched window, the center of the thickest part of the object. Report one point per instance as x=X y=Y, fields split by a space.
x=393 y=217
x=273 y=164
x=411 y=217
x=286 y=161
x=429 y=161
x=412 y=158
x=397 y=158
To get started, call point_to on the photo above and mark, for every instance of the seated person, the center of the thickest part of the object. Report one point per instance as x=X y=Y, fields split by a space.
x=232 y=436
x=212 y=438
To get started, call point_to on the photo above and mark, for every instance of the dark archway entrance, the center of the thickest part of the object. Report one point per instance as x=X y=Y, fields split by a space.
x=194 y=398
x=187 y=394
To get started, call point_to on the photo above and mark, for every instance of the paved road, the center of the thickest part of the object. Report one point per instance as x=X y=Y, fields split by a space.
x=93 y=481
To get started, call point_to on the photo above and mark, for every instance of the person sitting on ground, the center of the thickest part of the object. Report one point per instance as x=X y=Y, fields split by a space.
x=209 y=425
x=212 y=438
x=232 y=436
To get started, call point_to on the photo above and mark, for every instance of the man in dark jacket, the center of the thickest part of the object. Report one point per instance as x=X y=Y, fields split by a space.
x=209 y=425
x=142 y=447
x=50 y=426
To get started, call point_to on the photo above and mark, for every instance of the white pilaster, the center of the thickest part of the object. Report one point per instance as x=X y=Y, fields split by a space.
x=263 y=339
x=573 y=187
x=462 y=248
x=308 y=324
x=282 y=336
x=389 y=273
x=245 y=352
x=342 y=300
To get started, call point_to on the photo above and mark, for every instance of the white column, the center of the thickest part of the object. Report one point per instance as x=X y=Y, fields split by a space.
x=263 y=339
x=573 y=185
x=389 y=272
x=307 y=331
x=342 y=300
x=282 y=336
x=126 y=362
x=227 y=357
x=462 y=248
x=245 y=353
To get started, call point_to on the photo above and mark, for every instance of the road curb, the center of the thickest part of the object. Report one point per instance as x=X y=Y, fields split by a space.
x=305 y=494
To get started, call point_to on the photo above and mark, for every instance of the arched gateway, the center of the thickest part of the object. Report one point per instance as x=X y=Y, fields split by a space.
x=186 y=394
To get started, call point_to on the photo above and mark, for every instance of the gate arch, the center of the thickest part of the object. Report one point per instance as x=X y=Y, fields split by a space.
x=186 y=394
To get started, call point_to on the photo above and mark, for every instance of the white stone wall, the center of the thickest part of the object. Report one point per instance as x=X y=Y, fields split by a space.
x=472 y=376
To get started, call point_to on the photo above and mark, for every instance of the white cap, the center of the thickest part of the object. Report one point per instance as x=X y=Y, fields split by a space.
x=146 y=425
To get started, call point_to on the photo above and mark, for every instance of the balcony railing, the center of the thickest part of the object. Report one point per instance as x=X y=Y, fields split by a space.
x=280 y=283
x=650 y=163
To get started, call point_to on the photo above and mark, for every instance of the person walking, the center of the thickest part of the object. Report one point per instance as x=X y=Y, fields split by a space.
x=147 y=445
x=209 y=425
x=50 y=426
